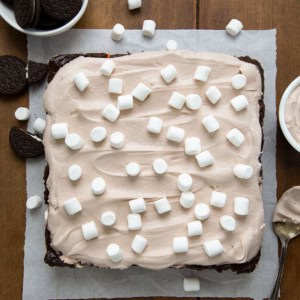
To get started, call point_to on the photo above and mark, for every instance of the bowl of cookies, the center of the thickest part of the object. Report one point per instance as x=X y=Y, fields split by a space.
x=42 y=17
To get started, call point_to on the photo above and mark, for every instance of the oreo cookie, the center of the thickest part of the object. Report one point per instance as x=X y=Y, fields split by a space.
x=36 y=72
x=46 y=22
x=24 y=12
x=9 y=1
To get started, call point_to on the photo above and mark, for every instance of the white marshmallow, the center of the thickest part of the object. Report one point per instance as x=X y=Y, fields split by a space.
x=134 y=222
x=195 y=228
x=89 y=230
x=239 y=102
x=46 y=215
x=134 y=4
x=74 y=172
x=187 y=199
x=177 y=100
x=171 y=45
x=98 y=134
x=72 y=206
x=133 y=169
x=168 y=73
x=213 y=94
x=125 y=102
x=238 y=81
x=234 y=27
x=141 y=92
x=191 y=284
x=202 y=211
x=107 y=67
x=149 y=28
x=175 y=134
x=218 y=199
x=117 y=140
x=108 y=218
x=210 y=123
x=235 y=137
x=115 y=85
x=241 y=206
x=34 y=202
x=202 y=73
x=98 y=186
x=193 y=101
x=243 y=171
x=228 y=223
x=160 y=166
x=155 y=125
x=117 y=32
x=137 y=206
x=73 y=141
x=59 y=130
x=205 y=159
x=139 y=244
x=39 y=126
x=192 y=146
x=22 y=114
x=213 y=248
x=110 y=112
x=81 y=81
x=162 y=205
x=180 y=244
x=114 y=252
x=184 y=182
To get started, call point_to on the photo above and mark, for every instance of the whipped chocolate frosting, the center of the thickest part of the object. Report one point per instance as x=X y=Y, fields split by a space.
x=82 y=111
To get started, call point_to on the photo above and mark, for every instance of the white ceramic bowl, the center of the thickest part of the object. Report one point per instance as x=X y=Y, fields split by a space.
x=8 y=15
x=282 y=106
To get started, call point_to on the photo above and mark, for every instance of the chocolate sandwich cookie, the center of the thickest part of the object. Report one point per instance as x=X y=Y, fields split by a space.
x=9 y=1
x=36 y=72
x=46 y=22
x=25 y=12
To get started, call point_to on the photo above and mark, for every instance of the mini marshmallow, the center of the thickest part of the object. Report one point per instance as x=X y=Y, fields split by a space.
x=238 y=81
x=117 y=140
x=184 y=182
x=239 y=102
x=114 y=252
x=139 y=244
x=195 y=228
x=125 y=102
x=107 y=67
x=213 y=94
x=180 y=244
x=98 y=134
x=110 y=112
x=205 y=159
x=89 y=230
x=175 y=134
x=81 y=81
x=187 y=199
x=46 y=215
x=137 y=206
x=22 y=114
x=235 y=137
x=234 y=27
x=98 y=186
x=168 y=73
x=34 y=202
x=149 y=28
x=202 y=73
x=202 y=211
x=213 y=248
x=218 y=199
x=193 y=101
x=155 y=125
x=243 y=171
x=133 y=169
x=141 y=92
x=73 y=141
x=191 y=284
x=162 y=205
x=228 y=223
x=177 y=100
x=117 y=32
x=241 y=206
x=108 y=218
x=39 y=126
x=115 y=85
x=210 y=123
x=171 y=45
x=59 y=130
x=192 y=146
x=134 y=222
x=72 y=206
x=160 y=166
x=134 y=4
x=74 y=172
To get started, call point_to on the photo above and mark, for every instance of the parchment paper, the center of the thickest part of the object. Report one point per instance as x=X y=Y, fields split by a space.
x=42 y=282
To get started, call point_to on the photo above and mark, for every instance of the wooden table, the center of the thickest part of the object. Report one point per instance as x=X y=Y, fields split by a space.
x=168 y=14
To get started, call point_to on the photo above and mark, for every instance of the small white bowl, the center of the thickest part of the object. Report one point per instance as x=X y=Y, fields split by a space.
x=282 y=106
x=8 y=15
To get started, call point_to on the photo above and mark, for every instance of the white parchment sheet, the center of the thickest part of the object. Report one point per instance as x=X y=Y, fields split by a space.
x=42 y=282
